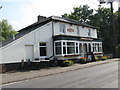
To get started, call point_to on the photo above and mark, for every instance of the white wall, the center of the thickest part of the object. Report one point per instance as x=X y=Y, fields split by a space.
x=83 y=32
x=15 y=51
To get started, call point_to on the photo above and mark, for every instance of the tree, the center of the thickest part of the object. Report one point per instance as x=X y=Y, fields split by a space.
x=102 y=19
x=6 y=30
x=117 y=25
x=80 y=13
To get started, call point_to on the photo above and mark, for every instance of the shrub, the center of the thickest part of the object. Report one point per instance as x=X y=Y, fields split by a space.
x=83 y=60
x=96 y=58
x=67 y=63
x=108 y=57
x=104 y=58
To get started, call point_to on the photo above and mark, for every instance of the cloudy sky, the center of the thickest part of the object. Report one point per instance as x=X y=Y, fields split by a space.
x=21 y=13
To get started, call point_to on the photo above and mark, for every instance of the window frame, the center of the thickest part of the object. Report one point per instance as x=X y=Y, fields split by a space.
x=40 y=49
x=65 y=46
x=57 y=46
x=89 y=32
x=78 y=31
x=62 y=27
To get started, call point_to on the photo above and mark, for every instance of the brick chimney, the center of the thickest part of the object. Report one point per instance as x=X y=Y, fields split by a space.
x=41 y=18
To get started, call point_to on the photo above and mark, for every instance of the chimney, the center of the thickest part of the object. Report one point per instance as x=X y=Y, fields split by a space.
x=41 y=18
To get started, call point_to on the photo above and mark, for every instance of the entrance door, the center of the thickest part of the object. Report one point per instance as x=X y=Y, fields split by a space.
x=85 y=49
x=29 y=52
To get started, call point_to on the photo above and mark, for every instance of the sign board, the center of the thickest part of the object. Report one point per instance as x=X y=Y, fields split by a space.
x=70 y=30
x=90 y=57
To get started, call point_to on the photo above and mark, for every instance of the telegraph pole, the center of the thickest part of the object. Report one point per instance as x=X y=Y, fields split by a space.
x=0 y=7
x=113 y=23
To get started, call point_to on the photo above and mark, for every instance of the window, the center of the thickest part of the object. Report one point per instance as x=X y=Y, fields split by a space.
x=67 y=47
x=85 y=48
x=62 y=28
x=70 y=48
x=80 y=48
x=64 y=48
x=77 y=48
x=58 y=48
x=93 y=47
x=89 y=47
x=77 y=29
x=42 y=49
x=89 y=32
x=100 y=47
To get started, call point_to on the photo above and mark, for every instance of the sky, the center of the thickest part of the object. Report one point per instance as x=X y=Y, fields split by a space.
x=21 y=13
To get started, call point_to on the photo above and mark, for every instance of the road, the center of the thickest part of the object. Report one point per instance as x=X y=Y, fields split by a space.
x=99 y=76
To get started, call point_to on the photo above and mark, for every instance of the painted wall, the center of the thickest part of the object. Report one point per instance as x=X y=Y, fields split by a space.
x=83 y=32
x=15 y=51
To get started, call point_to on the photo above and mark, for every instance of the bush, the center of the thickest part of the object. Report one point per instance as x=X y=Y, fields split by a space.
x=83 y=60
x=96 y=58
x=104 y=58
x=108 y=57
x=67 y=63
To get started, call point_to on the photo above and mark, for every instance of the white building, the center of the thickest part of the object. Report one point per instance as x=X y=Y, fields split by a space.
x=51 y=37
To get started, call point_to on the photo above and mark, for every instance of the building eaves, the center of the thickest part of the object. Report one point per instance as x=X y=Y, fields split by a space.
x=71 y=21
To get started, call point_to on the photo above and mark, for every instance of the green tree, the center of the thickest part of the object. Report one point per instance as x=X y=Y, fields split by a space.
x=117 y=25
x=102 y=20
x=6 y=30
x=80 y=13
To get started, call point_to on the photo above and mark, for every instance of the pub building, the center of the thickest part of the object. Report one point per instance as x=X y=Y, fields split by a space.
x=50 y=38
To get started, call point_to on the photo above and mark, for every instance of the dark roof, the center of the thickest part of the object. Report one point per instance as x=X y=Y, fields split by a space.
x=33 y=26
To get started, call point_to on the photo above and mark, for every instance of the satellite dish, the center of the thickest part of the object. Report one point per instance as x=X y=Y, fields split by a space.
x=0 y=7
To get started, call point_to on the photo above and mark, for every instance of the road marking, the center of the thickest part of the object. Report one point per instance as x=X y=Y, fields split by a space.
x=14 y=82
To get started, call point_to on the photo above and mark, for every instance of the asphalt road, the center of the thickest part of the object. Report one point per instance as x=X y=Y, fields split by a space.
x=100 y=76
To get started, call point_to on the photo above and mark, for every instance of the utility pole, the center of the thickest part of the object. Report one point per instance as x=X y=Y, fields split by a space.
x=113 y=24
x=0 y=7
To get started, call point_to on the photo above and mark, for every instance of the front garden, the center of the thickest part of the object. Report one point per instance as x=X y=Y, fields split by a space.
x=62 y=63
x=83 y=60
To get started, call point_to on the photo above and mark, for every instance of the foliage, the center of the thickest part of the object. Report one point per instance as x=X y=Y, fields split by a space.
x=108 y=57
x=6 y=30
x=80 y=13
x=103 y=20
x=96 y=58
x=118 y=49
x=67 y=63
x=104 y=57
x=83 y=60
